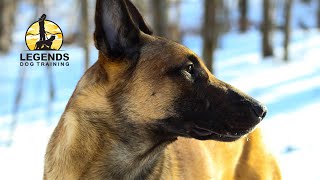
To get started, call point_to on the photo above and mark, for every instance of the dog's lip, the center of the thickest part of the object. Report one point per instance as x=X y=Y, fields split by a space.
x=200 y=131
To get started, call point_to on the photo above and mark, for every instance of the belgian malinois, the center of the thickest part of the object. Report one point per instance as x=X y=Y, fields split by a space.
x=150 y=109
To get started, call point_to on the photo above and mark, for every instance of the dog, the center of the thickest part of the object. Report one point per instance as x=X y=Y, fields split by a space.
x=46 y=44
x=150 y=109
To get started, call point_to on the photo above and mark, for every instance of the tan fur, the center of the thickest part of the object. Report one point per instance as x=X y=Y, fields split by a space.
x=106 y=131
x=79 y=150
x=220 y=160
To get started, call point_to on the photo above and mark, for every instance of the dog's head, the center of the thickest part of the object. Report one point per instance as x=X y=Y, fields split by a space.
x=53 y=37
x=160 y=85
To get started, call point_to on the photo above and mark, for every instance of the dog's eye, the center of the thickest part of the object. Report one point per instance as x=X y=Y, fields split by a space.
x=189 y=69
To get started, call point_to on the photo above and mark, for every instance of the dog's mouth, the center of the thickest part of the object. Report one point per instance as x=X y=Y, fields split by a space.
x=227 y=136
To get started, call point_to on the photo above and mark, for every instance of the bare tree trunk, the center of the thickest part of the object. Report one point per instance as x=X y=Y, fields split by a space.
x=318 y=14
x=243 y=20
x=51 y=84
x=40 y=8
x=288 y=7
x=160 y=17
x=85 y=32
x=141 y=5
x=20 y=85
x=7 y=22
x=267 y=49
x=174 y=32
x=210 y=32
x=16 y=105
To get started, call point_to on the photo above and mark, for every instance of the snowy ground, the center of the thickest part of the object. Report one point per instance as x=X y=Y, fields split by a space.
x=291 y=92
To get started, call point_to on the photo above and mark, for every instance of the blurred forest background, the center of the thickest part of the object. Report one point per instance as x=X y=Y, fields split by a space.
x=164 y=16
x=267 y=48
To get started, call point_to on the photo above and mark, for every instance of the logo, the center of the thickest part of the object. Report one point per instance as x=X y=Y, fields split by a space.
x=44 y=39
x=44 y=35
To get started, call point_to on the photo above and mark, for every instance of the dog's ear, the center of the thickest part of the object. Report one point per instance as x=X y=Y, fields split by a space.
x=117 y=32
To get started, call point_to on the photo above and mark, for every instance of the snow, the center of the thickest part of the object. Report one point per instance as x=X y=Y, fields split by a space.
x=25 y=158
x=290 y=90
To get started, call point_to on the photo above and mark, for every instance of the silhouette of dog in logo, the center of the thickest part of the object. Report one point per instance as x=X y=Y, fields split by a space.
x=45 y=44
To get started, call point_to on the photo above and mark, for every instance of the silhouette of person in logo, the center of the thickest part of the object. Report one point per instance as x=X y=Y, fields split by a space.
x=44 y=43
x=42 y=31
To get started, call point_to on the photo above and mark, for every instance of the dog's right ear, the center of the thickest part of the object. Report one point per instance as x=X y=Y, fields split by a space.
x=117 y=32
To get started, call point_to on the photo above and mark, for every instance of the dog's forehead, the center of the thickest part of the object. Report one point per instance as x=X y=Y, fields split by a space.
x=165 y=52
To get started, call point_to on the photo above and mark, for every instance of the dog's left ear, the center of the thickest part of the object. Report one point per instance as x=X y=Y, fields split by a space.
x=118 y=28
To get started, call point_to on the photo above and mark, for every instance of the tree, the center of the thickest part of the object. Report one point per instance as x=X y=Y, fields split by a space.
x=85 y=32
x=160 y=17
x=142 y=6
x=7 y=21
x=174 y=31
x=243 y=20
x=41 y=7
x=318 y=14
x=267 y=26
x=210 y=32
x=287 y=10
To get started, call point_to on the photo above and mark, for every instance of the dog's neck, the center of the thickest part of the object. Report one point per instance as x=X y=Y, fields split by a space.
x=114 y=152
x=90 y=142
x=136 y=158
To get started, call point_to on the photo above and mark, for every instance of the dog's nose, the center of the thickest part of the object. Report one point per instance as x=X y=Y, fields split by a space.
x=260 y=110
